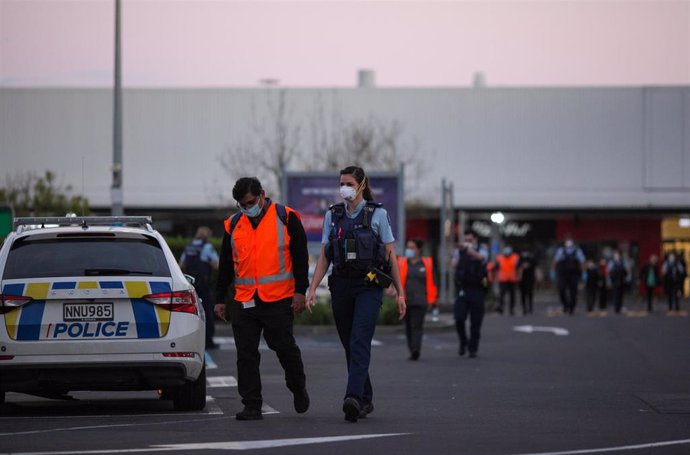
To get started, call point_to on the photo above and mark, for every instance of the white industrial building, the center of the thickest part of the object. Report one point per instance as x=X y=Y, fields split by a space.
x=565 y=153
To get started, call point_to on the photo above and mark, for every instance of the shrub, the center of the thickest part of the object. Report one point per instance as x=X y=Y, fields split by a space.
x=321 y=314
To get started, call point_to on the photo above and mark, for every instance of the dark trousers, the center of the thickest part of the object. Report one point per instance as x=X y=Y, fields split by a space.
x=470 y=303
x=649 y=292
x=591 y=297
x=603 y=298
x=567 y=290
x=506 y=287
x=275 y=320
x=618 y=291
x=204 y=292
x=673 y=298
x=414 y=327
x=527 y=297
x=356 y=308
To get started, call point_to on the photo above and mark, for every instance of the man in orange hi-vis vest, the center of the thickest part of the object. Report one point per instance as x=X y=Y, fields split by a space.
x=507 y=275
x=264 y=255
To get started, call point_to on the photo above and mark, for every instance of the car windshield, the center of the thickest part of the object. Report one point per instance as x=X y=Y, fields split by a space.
x=47 y=258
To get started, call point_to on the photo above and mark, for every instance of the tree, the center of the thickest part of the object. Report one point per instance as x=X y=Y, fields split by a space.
x=30 y=195
x=271 y=148
x=274 y=145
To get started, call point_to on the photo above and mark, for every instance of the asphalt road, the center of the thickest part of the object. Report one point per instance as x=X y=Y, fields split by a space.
x=614 y=384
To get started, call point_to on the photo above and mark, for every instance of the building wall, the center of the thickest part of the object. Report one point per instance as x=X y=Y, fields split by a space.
x=501 y=147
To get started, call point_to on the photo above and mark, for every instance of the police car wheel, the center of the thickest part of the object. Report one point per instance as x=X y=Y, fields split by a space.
x=192 y=395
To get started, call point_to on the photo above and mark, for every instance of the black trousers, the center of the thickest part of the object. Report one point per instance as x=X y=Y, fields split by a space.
x=649 y=292
x=470 y=303
x=527 y=297
x=567 y=290
x=275 y=320
x=591 y=298
x=618 y=292
x=414 y=327
x=507 y=287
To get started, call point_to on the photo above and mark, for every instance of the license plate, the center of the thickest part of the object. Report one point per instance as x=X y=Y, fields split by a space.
x=77 y=312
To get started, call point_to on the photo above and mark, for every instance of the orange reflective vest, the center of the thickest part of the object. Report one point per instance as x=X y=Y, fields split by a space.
x=507 y=268
x=262 y=258
x=431 y=290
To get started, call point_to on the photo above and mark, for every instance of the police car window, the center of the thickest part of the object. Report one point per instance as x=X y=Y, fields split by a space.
x=85 y=257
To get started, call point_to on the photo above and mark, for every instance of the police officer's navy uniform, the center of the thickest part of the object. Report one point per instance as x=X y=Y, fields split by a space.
x=353 y=246
x=471 y=283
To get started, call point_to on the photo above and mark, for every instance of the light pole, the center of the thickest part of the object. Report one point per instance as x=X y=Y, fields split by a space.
x=116 y=188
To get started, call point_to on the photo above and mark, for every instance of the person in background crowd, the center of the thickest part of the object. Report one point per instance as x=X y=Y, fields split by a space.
x=591 y=284
x=649 y=277
x=507 y=272
x=618 y=274
x=673 y=273
x=417 y=279
x=527 y=278
x=264 y=255
x=197 y=260
x=472 y=283
x=568 y=264
x=603 y=286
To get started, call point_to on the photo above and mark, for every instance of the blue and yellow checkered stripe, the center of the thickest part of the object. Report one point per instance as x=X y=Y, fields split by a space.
x=25 y=322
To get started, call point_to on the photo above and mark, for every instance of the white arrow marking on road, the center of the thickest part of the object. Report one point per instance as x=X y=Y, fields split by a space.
x=227 y=445
x=532 y=328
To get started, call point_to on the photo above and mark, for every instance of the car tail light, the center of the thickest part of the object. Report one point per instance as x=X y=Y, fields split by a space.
x=178 y=301
x=179 y=354
x=12 y=302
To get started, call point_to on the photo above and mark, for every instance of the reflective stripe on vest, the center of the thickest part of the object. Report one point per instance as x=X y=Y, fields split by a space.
x=262 y=259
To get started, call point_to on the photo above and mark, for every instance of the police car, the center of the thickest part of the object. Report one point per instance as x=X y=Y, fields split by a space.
x=98 y=303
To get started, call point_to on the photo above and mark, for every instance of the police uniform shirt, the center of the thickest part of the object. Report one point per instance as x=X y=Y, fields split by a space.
x=208 y=254
x=380 y=223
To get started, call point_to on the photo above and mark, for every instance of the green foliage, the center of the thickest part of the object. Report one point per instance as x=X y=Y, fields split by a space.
x=30 y=195
x=389 y=312
x=321 y=314
x=178 y=243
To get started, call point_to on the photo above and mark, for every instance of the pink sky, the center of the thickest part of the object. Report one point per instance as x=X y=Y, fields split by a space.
x=407 y=43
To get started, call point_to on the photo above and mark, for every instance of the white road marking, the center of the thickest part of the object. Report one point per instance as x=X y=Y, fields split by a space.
x=226 y=445
x=376 y=342
x=221 y=381
x=212 y=407
x=266 y=409
x=98 y=427
x=533 y=328
x=615 y=449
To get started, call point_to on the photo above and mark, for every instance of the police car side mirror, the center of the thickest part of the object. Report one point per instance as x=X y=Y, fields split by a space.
x=190 y=278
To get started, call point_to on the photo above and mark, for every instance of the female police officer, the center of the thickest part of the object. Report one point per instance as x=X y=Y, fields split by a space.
x=358 y=240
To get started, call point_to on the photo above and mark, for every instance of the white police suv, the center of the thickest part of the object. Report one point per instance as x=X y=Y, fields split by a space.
x=98 y=303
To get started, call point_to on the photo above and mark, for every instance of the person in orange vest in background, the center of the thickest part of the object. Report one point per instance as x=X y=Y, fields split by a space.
x=507 y=275
x=417 y=278
x=264 y=255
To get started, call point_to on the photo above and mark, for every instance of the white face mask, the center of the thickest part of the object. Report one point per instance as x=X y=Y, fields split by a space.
x=348 y=193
